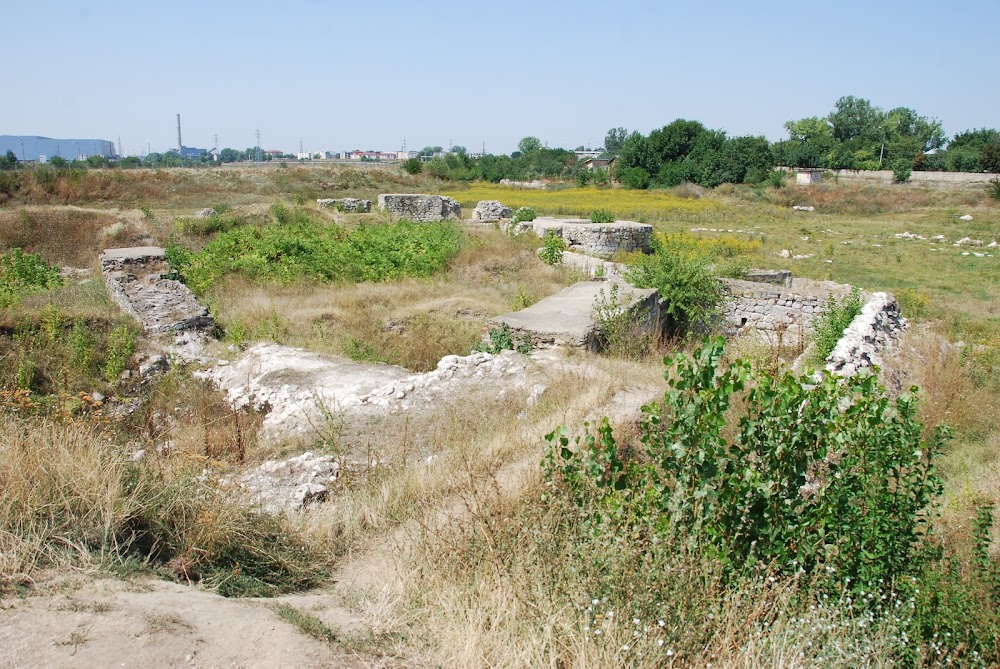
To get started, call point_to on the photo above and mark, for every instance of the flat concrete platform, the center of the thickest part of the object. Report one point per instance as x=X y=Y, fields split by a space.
x=567 y=318
x=134 y=253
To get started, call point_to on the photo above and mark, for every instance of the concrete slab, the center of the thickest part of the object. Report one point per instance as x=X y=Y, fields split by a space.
x=567 y=319
x=134 y=253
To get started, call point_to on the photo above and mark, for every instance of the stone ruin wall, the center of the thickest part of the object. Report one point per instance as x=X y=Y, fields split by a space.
x=347 y=205
x=424 y=208
x=603 y=240
x=136 y=280
x=767 y=310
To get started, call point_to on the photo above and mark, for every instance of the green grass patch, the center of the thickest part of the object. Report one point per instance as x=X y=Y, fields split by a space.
x=304 y=250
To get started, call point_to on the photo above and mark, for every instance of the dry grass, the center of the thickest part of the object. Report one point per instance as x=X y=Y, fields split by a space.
x=68 y=236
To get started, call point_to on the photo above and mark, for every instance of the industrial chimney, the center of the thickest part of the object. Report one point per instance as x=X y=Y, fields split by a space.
x=180 y=147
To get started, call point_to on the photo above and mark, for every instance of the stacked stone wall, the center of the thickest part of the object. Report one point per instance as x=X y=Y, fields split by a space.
x=419 y=207
x=766 y=309
x=598 y=239
x=346 y=204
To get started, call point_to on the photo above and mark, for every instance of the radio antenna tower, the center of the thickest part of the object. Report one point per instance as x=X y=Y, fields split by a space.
x=258 y=150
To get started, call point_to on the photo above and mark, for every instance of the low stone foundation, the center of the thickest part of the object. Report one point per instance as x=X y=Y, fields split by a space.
x=766 y=310
x=135 y=281
x=347 y=205
x=419 y=207
x=598 y=239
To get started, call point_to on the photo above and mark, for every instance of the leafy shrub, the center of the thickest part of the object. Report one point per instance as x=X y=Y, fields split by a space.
x=121 y=346
x=413 y=166
x=994 y=189
x=634 y=177
x=283 y=216
x=828 y=481
x=602 y=216
x=522 y=215
x=776 y=179
x=552 y=249
x=829 y=327
x=691 y=295
x=305 y=250
x=23 y=273
x=902 y=169
x=501 y=339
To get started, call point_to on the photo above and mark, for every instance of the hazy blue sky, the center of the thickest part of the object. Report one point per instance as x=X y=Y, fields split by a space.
x=367 y=73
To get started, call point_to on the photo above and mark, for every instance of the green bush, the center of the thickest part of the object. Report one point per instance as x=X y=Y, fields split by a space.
x=634 y=177
x=552 y=249
x=523 y=214
x=501 y=339
x=602 y=216
x=902 y=169
x=311 y=251
x=829 y=327
x=994 y=189
x=826 y=481
x=413 y=166
x=691 y=295
x=23 y=273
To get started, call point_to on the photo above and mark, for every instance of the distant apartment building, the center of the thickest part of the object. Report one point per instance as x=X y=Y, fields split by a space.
x=40 y=149
x=274 y=154
x=372 y=155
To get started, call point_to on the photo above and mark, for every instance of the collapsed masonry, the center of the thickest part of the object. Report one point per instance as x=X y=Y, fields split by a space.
x=424 y=208
x=136 y=279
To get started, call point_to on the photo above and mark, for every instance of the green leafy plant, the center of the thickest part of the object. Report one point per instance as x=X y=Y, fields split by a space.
x=413 y=166
x=501 y=339
x=829 y=327
x=690 y=293
x=306 y=250
x=828 y=481
x=994 y=189
x=24 y=273
x=902 y=169
x=552 y=249
x=602 y=216
x=522 y=215
x=121 y=346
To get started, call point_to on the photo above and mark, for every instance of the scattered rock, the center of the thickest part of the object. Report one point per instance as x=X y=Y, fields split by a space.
x=97 y=396
x=204 y=213
x=799 y=207
x=968 y=241
x=785 y=253
x=909 y=235
x=967 y=217
x=154 y=364
x=290 y=485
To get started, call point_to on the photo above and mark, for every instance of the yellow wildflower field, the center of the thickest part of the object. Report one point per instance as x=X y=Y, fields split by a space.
x=635 y=205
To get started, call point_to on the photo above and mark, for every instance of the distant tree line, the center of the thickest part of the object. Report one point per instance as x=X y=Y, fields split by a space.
x=858 y=135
